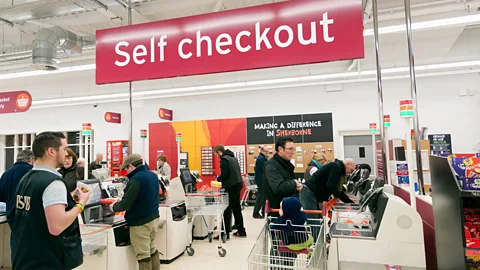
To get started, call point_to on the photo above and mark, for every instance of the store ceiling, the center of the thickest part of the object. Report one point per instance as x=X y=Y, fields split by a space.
x=21 y=19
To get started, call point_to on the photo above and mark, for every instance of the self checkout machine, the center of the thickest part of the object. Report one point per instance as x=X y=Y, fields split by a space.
x=186 y=183
x=173 y=237
x=350 y=212
x=115 y=237
x=393 y=239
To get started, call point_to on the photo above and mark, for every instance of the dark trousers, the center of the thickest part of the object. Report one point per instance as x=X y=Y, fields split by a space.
x=260 y=202
x=309 y=202
x=235 y=207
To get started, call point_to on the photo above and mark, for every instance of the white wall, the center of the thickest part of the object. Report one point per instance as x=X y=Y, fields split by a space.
x=441 y=109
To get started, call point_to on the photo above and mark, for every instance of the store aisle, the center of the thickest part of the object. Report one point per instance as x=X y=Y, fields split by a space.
x=238 y=249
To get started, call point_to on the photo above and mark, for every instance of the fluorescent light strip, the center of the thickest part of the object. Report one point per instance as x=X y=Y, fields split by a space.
x=273 y=87
x=244 y=85
x=426 y=24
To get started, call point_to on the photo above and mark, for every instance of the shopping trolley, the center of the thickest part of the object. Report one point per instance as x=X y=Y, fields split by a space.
x=301 y=249
x=250 y=186
x=209 y=204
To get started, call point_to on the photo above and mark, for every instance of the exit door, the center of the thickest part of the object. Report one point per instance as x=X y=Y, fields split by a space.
x=360 y=148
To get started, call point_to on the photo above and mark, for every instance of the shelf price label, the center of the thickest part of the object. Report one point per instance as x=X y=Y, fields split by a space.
x=373 y=128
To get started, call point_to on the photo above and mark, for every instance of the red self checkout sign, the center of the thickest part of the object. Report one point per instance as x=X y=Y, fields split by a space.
x=278 y=34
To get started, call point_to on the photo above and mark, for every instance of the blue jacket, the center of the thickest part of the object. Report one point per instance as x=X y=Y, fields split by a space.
x=260 y=168
x=8 y=187
x=145 y=207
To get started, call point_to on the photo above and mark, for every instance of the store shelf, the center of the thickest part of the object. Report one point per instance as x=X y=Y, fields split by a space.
x=470 y=193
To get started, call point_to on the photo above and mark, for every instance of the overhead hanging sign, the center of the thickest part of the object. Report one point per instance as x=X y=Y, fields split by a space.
x=15 y=102
x=165 y=114
x=272 y=35
x=112 y=117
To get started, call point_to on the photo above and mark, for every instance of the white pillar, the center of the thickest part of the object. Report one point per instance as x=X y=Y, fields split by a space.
x=375 y=165
x=86 y=156
x=408 y=139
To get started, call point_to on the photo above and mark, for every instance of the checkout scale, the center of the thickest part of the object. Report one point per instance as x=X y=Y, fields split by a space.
x=381 y=232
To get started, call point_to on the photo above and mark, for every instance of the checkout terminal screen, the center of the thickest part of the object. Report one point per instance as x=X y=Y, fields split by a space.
x=97 y=192
x=187 y=178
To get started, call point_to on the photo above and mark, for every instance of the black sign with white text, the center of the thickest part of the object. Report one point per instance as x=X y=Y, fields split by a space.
x=303 y=128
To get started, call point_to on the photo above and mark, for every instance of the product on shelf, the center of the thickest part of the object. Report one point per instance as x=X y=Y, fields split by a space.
x=467 y=171
x=473 y=258
x=207 y=160
x=466 y=167
x=472 y=227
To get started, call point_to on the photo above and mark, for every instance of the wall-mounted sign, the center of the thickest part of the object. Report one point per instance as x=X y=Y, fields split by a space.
x=262 y=36
x=302 y=128
x=440 y=144
x=112 y=117
x=15 y=102
x=165 y=114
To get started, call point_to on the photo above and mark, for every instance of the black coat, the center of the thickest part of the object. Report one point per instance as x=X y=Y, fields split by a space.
x=72 y=175
x=260 y=169
x=279 y=180
x=327 y=181
x=231 y=174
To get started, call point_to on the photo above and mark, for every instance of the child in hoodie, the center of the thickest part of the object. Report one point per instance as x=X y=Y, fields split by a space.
x=291 y=225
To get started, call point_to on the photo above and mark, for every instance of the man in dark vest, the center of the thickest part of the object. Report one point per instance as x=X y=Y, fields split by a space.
x=47 y=233
x=8 y=186
x=140 y=201
x=231 y=179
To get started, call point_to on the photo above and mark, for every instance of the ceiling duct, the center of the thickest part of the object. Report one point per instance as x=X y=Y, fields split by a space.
x=46 y=44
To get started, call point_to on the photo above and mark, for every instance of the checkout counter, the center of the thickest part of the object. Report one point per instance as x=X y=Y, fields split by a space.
x=5 y=239
x=105 y=236
x=387 y=232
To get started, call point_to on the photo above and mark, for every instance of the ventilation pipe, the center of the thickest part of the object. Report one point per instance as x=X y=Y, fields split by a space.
x=46 y=44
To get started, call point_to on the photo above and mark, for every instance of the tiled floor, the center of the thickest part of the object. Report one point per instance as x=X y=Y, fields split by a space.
x=238 y=249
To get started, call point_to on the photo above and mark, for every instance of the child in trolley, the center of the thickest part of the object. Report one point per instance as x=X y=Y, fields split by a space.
x=291 y=236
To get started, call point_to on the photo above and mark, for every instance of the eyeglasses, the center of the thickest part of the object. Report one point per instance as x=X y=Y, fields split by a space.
x=291 y=149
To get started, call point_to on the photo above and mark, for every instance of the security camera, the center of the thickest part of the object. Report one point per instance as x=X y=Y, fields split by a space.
x=95 y=105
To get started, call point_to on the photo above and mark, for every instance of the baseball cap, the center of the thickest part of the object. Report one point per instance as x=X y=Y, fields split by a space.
x=130 y=160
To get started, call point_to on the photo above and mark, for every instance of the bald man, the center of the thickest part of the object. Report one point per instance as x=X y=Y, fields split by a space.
x=327 y=181
x=262 y=158
x=96 y=163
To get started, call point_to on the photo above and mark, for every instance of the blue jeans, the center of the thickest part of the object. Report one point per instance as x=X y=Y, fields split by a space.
x=309 y=202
